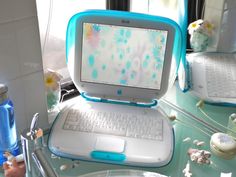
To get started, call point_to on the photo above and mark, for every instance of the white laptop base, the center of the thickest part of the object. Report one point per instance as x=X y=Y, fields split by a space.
x=105 y=146
x=213 y=77
x=122 y=56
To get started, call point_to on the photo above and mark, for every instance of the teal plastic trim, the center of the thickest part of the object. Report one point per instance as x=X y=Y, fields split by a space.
x=71 y=29
x=184 y=24
x=221 y=104
x=188 y=75
x=70 y=36
x=148 y=105
x=110 y=156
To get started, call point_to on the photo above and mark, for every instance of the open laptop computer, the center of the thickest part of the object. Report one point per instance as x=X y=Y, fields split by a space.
x=213 y=77
x=120 y=62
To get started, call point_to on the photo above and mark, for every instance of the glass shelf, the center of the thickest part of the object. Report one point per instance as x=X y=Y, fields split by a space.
x=191 y=124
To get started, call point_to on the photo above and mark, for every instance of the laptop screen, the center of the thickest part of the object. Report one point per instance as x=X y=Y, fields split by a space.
x=123 y=56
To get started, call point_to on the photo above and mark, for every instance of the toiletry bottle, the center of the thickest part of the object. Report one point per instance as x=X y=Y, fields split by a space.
x=8 y=138
x=232 y=125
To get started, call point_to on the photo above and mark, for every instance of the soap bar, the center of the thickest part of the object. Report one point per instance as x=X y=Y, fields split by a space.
x=223 y=145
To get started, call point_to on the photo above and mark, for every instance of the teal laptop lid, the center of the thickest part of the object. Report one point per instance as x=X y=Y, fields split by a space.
x=122 y=55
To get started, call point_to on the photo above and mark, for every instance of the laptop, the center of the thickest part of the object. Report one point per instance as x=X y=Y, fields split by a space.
x=213 y=77
x=120 y=62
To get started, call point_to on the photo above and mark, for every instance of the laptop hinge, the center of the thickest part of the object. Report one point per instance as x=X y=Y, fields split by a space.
x=102 y=100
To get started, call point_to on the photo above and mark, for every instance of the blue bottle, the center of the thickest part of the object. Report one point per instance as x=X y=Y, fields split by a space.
x=8 y=138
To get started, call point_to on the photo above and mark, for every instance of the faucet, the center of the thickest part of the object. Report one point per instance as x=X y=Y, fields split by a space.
x=32 y=146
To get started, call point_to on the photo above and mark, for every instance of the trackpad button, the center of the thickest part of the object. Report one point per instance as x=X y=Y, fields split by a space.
x=110 y=144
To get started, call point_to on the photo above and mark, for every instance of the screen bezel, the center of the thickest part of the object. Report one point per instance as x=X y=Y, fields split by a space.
x=106 y=91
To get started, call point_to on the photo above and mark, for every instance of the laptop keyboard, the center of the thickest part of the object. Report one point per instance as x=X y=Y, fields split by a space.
x=221 y=76
x=125 y=124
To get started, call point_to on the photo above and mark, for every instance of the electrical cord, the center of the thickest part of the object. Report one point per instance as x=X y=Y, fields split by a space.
x=67 y=93
x=174 y=118
x=200 y=105
x=188 y=114
x=212 y=129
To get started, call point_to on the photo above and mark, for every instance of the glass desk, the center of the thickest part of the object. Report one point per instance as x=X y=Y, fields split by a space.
x=192 y=124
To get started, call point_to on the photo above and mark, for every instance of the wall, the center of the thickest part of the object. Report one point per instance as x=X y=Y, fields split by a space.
x=222 y=15
x=21 y=62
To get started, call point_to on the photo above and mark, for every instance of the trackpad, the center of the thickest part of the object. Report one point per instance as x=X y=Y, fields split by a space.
x=110 y=144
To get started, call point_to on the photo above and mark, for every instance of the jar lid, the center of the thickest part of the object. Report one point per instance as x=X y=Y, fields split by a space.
x=3 y=89
x=233 y=117
x=223 y=145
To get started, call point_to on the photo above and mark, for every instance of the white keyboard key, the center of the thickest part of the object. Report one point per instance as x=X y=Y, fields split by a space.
x=127 y=125
x=221 y=75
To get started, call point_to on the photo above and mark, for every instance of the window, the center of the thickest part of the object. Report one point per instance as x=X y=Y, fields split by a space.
x=53 y=16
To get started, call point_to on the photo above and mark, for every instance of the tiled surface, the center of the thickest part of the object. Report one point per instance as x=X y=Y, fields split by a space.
x=24 y=8
x=6 y=10
x=9 y=63
x=15 y=9
x=35 y=99
x=224 y=30
x=28 y=96
x=215 y=4
x=230 y=4
x=215 y=17
x=20 y=52
x=21 y=61
x=16 y=92
x=27 y=40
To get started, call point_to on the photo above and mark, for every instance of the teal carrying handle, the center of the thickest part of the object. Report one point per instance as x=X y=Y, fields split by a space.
x=110 y=156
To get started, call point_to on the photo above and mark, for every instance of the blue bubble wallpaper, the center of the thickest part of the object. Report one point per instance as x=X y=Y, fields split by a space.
x=124 y=56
